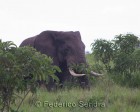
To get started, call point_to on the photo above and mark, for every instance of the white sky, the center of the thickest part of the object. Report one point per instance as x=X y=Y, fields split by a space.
x=20 y=19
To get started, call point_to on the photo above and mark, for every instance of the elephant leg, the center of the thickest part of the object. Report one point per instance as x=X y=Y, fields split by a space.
x=51 y=86
x=61 y=79
x=84 y=82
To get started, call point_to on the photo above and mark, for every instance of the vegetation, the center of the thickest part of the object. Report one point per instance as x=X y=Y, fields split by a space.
x=104 y=96
x=20 y=68
x=117 y=91
x=120 y=58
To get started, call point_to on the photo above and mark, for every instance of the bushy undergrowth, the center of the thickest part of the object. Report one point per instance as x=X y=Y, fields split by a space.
x=104 y=96
x=120 y=58
x=20 y=69
x=111 y=93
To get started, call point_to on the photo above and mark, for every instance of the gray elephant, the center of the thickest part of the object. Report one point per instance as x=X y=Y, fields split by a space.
x=65 y=48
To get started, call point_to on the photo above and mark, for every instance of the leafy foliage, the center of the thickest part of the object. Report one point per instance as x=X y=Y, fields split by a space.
x=79 y=68
x=20 y=68
x=126 y=43
x=103 y=51
x=120 y=56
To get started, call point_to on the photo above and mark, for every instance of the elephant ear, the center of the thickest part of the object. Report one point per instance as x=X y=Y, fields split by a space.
x=44 y=43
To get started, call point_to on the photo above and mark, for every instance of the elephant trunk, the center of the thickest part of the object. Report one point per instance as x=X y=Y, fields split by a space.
x=81 y=59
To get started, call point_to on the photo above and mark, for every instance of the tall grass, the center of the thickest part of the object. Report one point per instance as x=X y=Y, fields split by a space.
x=104 y=96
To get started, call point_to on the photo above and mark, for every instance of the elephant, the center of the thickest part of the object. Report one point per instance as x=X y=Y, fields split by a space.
x=65 y=48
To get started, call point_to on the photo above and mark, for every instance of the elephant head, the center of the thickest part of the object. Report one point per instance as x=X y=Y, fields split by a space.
x=63 y=47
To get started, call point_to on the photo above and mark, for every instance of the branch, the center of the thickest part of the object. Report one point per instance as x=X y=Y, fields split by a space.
x=23 y=99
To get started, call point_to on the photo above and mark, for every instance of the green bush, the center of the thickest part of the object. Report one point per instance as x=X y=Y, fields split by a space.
x=20 y=68
x=120 y=58
x=103 y=52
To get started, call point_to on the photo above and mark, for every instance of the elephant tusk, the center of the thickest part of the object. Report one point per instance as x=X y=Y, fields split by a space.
x=96 y=74
x=75 y=74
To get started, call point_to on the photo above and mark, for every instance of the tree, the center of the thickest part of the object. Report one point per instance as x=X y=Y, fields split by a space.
x=20 y=68
x=103 y=51
x=123 y=54
x=126 y=43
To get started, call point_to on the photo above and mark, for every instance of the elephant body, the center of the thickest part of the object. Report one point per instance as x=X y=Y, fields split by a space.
x=64 y=47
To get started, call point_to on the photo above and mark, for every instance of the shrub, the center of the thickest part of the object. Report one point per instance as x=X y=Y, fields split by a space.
x=120 y=57
x=20 y=68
